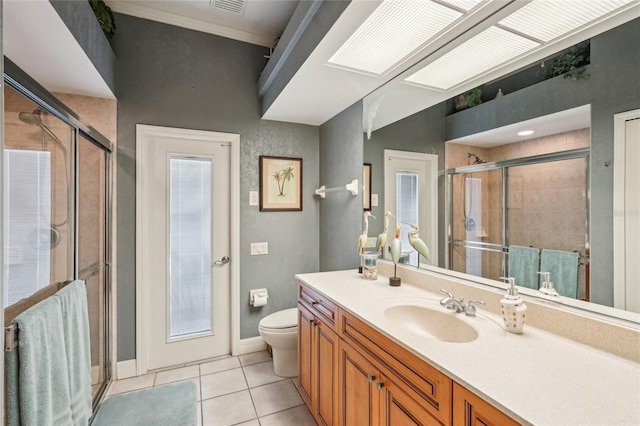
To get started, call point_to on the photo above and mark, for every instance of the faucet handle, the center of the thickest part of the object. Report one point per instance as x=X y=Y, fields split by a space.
x=470 y=310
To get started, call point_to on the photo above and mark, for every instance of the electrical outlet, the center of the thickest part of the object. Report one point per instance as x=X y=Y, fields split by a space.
x=253 y=198
x=374 y=200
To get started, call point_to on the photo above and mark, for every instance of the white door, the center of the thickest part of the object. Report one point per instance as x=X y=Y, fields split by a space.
x=632 y=215
x=183 y=246
x=411 y=194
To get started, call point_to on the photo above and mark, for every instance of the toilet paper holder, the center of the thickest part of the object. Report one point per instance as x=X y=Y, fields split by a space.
x=260 y=292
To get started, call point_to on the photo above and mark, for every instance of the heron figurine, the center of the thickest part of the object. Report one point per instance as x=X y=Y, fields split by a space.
x=418 y=244
x=396 y=251
x=382 y=238
x=362 y=242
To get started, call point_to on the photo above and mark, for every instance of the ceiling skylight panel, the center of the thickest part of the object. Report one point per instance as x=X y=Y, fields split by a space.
x=547 y=20
x=485 y=51
x=466 y=5
x=396 y=29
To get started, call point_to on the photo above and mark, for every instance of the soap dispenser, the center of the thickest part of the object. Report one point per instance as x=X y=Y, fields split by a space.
x=546 y=289
x=513 y=308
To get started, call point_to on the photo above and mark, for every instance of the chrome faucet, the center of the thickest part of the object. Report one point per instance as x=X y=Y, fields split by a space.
x=450 y=302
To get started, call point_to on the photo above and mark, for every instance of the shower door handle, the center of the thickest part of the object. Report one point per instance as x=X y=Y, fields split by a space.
x=223 y=261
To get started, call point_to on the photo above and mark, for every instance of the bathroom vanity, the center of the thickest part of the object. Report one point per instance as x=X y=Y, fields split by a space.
x=371 y=354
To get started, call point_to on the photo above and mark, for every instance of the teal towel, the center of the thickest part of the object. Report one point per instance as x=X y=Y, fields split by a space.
x=75 y=317
x=37 y=376
x=523 y=265
x=563 y=266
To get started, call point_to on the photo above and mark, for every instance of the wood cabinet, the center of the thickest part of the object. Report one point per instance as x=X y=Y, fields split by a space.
x=351 y=374
x=317 y=357
x=471 y=410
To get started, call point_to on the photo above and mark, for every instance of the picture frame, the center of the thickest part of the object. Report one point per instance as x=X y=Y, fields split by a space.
x=280 y=184
x=366 y=187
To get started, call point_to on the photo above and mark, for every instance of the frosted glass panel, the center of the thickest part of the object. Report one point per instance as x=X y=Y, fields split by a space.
x=190 y=280
x=407 y=199
x=27 y=223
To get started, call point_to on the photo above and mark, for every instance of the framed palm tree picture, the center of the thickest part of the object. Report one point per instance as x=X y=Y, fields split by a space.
x=280 y=184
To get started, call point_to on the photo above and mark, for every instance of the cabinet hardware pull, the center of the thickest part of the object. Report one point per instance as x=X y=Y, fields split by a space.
x=379 y=385
x=371 y=378
x=312 y=321
x=315 y=303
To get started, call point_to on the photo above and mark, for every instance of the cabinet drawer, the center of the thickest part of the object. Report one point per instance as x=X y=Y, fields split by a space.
x=318 y=305
x=433 y=387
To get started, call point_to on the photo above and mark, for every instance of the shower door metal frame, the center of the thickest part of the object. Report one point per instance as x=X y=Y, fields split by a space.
x=20 y=81
x=504 y=165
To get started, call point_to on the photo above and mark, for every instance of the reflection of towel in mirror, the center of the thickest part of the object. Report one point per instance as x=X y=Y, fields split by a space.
x=563 y=266
x=37 y=376
x=523 y=265
x=75 y=316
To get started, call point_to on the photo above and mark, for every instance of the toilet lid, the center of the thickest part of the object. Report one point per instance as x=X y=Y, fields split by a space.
x=281 y=319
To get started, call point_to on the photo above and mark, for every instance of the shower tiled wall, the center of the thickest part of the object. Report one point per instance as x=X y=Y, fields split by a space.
x=546 y=202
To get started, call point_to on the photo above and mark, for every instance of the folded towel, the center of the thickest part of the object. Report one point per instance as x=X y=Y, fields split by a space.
x=523 y=265
x=75 y=317
x=40 y=394
x=563 y=266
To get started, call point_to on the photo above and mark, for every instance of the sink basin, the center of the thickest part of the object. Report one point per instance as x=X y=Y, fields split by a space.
x=423 y=321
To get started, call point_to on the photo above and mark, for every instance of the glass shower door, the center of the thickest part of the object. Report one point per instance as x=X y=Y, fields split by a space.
x=92 y=250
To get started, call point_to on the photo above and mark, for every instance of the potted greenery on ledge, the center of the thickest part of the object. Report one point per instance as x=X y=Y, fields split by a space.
x=571 y=64
x=104 y=15
x=468 y=99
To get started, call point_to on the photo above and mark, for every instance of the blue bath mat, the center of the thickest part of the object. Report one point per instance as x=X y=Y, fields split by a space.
x=169 y=405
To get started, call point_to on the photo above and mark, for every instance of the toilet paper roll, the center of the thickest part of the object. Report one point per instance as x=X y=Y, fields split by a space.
x=260 y=300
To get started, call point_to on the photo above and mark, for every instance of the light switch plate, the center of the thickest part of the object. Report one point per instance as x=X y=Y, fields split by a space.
x=374 y=200
x=253 y=198
x=259 y=248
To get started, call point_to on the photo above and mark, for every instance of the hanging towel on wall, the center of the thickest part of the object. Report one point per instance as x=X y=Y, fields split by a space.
x=523 y=265
x=563 y=266
x=75 y=318
x=37 y=376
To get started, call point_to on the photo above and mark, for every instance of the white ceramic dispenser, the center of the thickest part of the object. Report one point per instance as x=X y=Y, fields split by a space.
x=546 y=289
x=513 y=308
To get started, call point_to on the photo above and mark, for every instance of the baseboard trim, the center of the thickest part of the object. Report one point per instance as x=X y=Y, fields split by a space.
x=126 y=369
x=252 y=344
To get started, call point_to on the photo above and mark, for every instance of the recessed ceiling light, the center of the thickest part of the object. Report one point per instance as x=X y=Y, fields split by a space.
x=526 y=132
x=393 y=32
x=548 y=20
x=479 y=54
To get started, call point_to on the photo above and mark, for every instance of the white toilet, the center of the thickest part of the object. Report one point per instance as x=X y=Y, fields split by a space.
x=280 y=331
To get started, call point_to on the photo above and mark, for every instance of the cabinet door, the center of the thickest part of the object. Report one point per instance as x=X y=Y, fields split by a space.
x=327 y=374
x=359 y=398
x=305 y=355
x=471 y=410
x=400 y=409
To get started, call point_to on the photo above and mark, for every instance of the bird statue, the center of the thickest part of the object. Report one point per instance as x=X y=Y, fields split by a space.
x=418 y=244
x=382 y=238
x=396 y=251
x=362 y=243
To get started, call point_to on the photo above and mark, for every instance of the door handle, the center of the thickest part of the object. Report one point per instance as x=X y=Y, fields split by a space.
x=223 y=261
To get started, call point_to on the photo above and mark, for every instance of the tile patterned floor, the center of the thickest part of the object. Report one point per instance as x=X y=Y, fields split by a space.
x=233 y=391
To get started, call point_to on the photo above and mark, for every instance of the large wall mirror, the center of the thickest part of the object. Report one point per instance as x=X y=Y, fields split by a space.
x=514 y=203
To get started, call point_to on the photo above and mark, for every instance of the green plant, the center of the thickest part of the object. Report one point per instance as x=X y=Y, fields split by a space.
x=571 y=63
x=105 y=17
x=468 y=99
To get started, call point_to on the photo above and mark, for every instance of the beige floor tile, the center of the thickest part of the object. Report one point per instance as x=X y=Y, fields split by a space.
x=254 y=422
x=219 y=365
x=275 y=397
x=222 y=383
x=228 y=409
x=254 y=358
x=177 y=374
x=132 y=384
x=298 y=416
x=261 y=374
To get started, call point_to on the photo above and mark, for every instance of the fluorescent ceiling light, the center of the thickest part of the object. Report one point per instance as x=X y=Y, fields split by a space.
x=479 y=54
x=465 y=5
x=393 y=32
x=525 y=132
x=548 y=20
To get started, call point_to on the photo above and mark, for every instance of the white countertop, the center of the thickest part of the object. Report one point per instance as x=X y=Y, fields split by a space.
x=535 y=377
